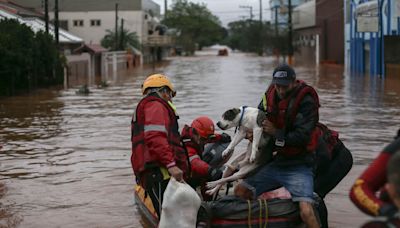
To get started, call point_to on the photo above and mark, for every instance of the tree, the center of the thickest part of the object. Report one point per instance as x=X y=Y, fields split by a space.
x=251 y=36
x=28 y=60
x=125 y=39
x=196 y=25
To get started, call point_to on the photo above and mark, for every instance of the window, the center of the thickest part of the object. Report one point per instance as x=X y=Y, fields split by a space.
x=78 y=23
x=95 y=22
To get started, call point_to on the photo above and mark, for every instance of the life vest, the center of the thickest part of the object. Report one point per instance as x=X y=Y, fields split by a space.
x=331 y=139
x=141 y=158
x=283 y=113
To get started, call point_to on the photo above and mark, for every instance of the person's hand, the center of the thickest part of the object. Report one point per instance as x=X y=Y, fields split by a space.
x=249 y=136
x=176 y=173
x=225 y=138
x=268 y=127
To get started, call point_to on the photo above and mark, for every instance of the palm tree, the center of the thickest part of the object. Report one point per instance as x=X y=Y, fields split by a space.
x=125 y=39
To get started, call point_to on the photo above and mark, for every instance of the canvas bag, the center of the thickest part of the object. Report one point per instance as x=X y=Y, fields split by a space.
x=180 y=206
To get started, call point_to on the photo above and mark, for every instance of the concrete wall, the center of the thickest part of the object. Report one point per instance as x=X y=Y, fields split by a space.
x=79 y=70
x=134 y=21
x=330 y=18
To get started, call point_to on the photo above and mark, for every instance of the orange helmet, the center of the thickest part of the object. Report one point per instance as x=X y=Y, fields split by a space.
x=204 y=126
x=157 y=80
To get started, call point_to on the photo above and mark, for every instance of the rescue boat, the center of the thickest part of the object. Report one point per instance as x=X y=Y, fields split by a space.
x=272 y=209
x=231 y=212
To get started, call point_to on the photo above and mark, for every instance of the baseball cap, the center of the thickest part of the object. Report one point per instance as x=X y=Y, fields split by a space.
x=283 y=75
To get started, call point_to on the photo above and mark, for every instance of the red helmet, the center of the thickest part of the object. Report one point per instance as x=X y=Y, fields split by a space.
x=204 y=126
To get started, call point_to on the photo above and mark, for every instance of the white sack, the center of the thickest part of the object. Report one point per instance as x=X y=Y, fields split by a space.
x=180 y=206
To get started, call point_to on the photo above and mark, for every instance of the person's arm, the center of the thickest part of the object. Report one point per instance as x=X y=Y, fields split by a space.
x=155 y=133
x=199 y=167
x=363 y=192
x=303 y=125
x=223 y=138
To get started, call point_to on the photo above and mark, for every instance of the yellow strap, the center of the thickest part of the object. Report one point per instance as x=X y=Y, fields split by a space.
x=260 y=217
x=249 y=215
x=266 y=213
x=173 y=107
x=165 y=173
x=264 y=100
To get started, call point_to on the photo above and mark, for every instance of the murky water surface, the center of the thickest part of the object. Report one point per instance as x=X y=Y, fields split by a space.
x=65 y=157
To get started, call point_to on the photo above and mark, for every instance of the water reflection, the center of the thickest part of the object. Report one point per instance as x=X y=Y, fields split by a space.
x=65 y=157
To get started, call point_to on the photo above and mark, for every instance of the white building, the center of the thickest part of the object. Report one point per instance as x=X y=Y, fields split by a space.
x=90 y=19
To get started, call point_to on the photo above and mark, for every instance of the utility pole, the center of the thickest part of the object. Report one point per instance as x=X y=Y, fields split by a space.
x=56 y=22
x=121 y=42
x=290 y=45
x=116 y=26
x=165 y=8
x=46 y=15
x=251 y=10
x=276 y=21
x=261 y=31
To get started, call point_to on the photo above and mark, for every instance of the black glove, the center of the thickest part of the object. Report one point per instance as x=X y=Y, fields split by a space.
x=225 y=138
x=214 y=174
x=387 y=210
x=207 y=157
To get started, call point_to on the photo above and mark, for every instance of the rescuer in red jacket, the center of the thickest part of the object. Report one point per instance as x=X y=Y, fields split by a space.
x=195 y=136
x=393 y=188
x=157 y=148
x=364 y=191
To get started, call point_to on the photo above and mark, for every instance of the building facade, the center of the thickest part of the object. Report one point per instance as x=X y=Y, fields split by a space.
x=319 y=31
x=32 y=19
x=372 y=34
x=90 y=19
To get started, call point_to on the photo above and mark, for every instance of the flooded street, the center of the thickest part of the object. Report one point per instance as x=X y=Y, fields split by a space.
x=65 y=160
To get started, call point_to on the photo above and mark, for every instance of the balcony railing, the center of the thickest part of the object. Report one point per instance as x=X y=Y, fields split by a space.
x=157 y=40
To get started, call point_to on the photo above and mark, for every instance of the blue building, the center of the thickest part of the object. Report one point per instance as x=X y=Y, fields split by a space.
x=372 y=36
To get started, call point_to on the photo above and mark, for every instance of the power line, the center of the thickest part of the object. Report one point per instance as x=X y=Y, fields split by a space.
x=251 y=10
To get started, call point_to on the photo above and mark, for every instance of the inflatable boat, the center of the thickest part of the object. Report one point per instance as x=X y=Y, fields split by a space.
x=230 y=211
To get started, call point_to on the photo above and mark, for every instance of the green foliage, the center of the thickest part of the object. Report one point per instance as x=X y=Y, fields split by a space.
x=28 y=60
x=125 y=38
x=195 y=25
x=252 y=36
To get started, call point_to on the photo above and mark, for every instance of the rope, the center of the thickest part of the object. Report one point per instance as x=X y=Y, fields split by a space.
x=260 y=217
x=266 y=213
x=249 y=214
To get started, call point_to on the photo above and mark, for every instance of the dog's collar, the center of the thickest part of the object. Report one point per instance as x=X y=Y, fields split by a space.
x=241 y=118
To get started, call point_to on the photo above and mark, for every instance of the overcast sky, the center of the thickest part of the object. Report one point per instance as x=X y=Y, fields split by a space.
x=228 y=10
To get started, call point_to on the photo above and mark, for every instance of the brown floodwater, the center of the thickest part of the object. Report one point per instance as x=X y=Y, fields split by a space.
x=65 y=160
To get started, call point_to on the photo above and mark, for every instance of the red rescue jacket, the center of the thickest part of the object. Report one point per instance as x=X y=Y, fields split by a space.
x=199 y=167
x=364 y=191
x=155 y=137
x=283 y=113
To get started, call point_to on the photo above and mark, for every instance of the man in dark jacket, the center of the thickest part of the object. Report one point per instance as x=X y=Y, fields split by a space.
x=292 y=108
x=157 y=149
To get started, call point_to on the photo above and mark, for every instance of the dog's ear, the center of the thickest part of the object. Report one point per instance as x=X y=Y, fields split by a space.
x=231 y=114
